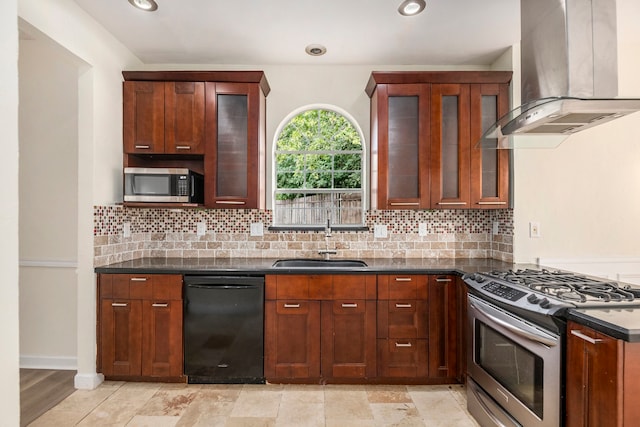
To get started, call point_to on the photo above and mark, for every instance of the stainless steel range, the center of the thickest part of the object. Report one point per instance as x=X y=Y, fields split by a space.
x=516 y=342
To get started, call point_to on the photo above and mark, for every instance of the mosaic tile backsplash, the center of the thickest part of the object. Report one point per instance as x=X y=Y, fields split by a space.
x=173 y=233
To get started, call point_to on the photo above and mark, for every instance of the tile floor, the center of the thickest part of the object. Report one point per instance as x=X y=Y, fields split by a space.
x=158 y=405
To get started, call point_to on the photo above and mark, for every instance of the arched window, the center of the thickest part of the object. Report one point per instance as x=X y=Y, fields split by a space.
x=318 y=169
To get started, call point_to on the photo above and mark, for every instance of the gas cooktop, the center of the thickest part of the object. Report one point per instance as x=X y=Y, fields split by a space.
x=551 y=291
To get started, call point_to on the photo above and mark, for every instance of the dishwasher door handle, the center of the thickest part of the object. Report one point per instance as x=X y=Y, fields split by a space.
x=223 y=286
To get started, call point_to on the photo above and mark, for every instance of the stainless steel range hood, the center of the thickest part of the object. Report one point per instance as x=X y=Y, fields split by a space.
x=569 y=74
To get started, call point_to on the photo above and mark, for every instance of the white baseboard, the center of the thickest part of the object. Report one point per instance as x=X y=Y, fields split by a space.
x=46 y=362
x=87 y=381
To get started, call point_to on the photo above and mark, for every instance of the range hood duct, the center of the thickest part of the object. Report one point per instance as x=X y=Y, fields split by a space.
x=569 y=74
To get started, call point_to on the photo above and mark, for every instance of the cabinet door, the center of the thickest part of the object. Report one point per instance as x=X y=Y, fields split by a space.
x=184 y=118
x=400 y=153
x=292 y=339
x=121 y=337
x=489 y=167
x=143 y=117
x=443 y=327
x=593 y=385
x=162 y=338
x=450 y=146
x=349 y=339
x=233 y=165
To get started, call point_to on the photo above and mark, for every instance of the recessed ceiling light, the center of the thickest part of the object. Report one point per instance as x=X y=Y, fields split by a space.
x=411 y=7
x=148 y=5
x=315 y=50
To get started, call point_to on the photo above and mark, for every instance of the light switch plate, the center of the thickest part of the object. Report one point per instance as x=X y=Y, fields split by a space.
x=257 y=229
x=496 y=227
x=380 y=231
x=534 y=230
x=202 y=228
x=422 y=229
x=126 y=229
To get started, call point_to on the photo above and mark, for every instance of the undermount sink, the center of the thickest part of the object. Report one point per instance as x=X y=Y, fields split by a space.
x=318 y=263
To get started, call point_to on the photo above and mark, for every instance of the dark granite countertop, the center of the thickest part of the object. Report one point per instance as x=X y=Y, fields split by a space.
x=622 y=323
x=265 y=266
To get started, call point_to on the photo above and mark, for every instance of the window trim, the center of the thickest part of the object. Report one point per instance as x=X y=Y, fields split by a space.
x=365 y=167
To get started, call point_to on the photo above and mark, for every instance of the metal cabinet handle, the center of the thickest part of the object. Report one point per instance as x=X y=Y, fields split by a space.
x=403 y=305
x=183 y=147
x=230 y=202
x=452 y=203
x=403 y=279
x=404 y=204
x=403 y=344
x=585 y=337
x=349 y=305
x=442 y=279
x=291 y=306
x=142 y=147
x=138 y=279
x=119 y=304
x=160 y=304
x=492 y=203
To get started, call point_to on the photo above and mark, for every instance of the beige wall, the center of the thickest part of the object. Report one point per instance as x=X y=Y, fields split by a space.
x=48 y=127
x=586 y=192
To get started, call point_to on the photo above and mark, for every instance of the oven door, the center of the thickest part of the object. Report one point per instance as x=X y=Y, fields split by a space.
x=516 y=366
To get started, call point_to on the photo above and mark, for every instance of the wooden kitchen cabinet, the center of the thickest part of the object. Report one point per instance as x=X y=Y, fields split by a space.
x=320 y=327
x=424 y=130
x=444 y=329
x=140 y=326
x=163 y=117
x=601 y=380
x=402 y=326
x=212 y=122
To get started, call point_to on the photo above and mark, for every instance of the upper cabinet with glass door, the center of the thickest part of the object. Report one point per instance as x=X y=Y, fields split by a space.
x=424 y=128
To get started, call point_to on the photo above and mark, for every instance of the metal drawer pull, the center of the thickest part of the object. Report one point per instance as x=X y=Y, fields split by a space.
x=405 y=204
x=230 y=202
x=492 y=203
x=349 y=305
x=442 y=279
x=158 y=304
x=119 y=304
x=292 y=306
x=403 y=279
x=183 y=147
x=452 y=203
x=142 y=147
x=403 y=305
x=403 y=344
x=585 y=337
x=138 y=279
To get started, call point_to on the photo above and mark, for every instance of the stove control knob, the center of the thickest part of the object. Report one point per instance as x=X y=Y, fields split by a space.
x=533 y=299
x=478 y=278
x=544 y=303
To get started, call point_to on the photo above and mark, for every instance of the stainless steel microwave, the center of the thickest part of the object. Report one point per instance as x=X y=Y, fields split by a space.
x=163 y=185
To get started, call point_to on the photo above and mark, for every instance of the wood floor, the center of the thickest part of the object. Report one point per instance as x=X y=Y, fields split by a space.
x=42 y=389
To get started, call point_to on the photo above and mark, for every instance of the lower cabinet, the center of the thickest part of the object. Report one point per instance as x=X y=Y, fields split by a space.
x=320 y=327
x=602 y=384
x=445 y=334
x=140 y=326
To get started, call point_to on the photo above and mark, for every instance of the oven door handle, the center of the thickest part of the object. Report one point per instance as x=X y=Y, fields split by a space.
x=526 y=334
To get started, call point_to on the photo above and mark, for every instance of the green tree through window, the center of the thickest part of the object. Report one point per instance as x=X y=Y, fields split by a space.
x=318 y=164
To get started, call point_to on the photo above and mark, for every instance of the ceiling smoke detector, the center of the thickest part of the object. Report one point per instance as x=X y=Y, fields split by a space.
x=148 y=5
x=411 y=7
x=315 y=50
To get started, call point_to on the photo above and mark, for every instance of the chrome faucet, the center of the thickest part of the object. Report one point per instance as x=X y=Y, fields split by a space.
x=327 y=234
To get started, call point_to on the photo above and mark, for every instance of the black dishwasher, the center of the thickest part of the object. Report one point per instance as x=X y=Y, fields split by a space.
x=223 y=329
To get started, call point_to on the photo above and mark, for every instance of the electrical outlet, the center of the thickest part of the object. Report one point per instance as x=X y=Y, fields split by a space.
x=202 y=228
x=422 y=229
x=496 y=227
x=126 y=229
x=380 y=231
x=534 y=230
x=257 y=229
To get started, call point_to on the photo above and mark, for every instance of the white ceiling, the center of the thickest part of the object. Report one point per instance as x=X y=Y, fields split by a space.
x=355 y=32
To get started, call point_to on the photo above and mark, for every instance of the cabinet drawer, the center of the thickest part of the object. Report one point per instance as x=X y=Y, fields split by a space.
x=402 y=286
x=141 y=286
x=402 y=319
x=402 y=358
x=320 y=286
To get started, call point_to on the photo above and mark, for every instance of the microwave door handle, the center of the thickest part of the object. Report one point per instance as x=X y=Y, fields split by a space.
x=193 y=186
x=526 y=334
